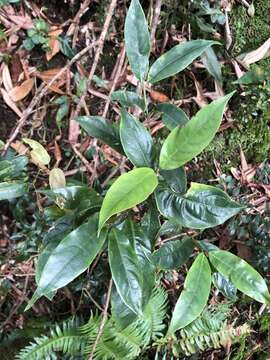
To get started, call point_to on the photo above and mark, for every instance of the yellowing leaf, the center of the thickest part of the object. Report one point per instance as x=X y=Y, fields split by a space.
x=20 y=92
x=53 y=44
x=39 y=154
x=57 y=179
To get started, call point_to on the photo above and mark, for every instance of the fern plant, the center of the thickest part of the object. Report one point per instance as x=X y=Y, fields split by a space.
x=115 y=343
x=210 y=330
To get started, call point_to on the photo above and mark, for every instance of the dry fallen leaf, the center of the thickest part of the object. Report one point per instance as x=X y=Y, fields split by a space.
x=256 y=55
x=10 y=103
x=54 y=44
x=20 y=92
x=158 y=96
x=6 y=78
x=24 y=22
x=48 y=75
x=57 y=179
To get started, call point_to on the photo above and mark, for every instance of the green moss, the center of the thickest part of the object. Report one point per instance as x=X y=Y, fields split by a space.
x=250 y=32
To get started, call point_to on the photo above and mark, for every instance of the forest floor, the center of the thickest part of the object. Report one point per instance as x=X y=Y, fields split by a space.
x=43 y=82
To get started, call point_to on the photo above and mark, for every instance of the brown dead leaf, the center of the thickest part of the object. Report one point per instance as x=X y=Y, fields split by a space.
x=54 y=44
x=247 y=171
x=6 y=78
x=57 y=153
x=200 y=98
x=19 y=147
x=74 y=132
x=256 y=55
x=48 y=75
x=158 y=96
x=20 y=92
x=15 y=68
x=10 y=103
x=243 y=251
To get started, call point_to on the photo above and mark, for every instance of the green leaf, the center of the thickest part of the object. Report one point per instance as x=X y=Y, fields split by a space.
x=126 y=270
x=173 y=254
x=39 y=154
x=243 y=276
x=137 y=40
x=142 y=246
x=14 y=167
x=136 y=140
x=203 y=206
x=150 y=223
x=255 y=75
x=184 y=143
x=176 y=179
x=173 y=116
x=128 y=98
x=11 y=190
x=100 y=128
x=65 y=47
x=177 y=59
x=224 y=286
x=127 y=191
x=212 y=64
x=69 y=259
x=194 y=296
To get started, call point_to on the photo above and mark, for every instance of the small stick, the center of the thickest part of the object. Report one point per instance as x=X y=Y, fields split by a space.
x=103 y=321
x=97 y=56
x=122 y=57
x=155 y=22
x=42 y=90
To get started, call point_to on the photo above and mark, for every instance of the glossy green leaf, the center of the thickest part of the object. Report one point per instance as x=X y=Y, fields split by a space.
x=173 y=116
x=137 y=40
x=194 y=295
x=100 y=128
x=136 y=140
x=224 y=286
x=11 y=190
x=177 y=59
x=173 y=254
x=14 y=167
x=126 y=270
x=127 y=191
x=255 y=75
x=212 y=64
x=69 y=259
x=184 y=143
x=128 y=98
x=143 y=246
x=150 y=223
x=176 y=179
x=243 y=276
x=203 y=206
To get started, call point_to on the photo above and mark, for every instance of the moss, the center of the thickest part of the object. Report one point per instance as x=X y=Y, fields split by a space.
x=250 y=32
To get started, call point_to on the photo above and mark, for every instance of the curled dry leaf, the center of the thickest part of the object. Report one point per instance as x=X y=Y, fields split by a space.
x=6 y=78
x=20 y=92
x=256 y=55
x=39 y=154
x=54 y=44
x=10 y=103
x=159 y=97
x=57 y=179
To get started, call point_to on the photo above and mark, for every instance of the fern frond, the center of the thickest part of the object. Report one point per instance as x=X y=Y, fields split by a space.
x=210 y=330
x=66 y=339
x=127 y=343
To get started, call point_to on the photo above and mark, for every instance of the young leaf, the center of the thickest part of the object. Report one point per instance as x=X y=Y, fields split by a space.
x=173 y=116
x=194 y=296
x=136 y=141
x=11 y=190
x=177 y=59
x=126 y=270
x=137 y=40
x=173 y=254
x=243 y=276
x=100 y=128
x=176 y=179
x=184 y=143
x=203 y=206
x=69 y=259
x=127 y=191
x=128 y=98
